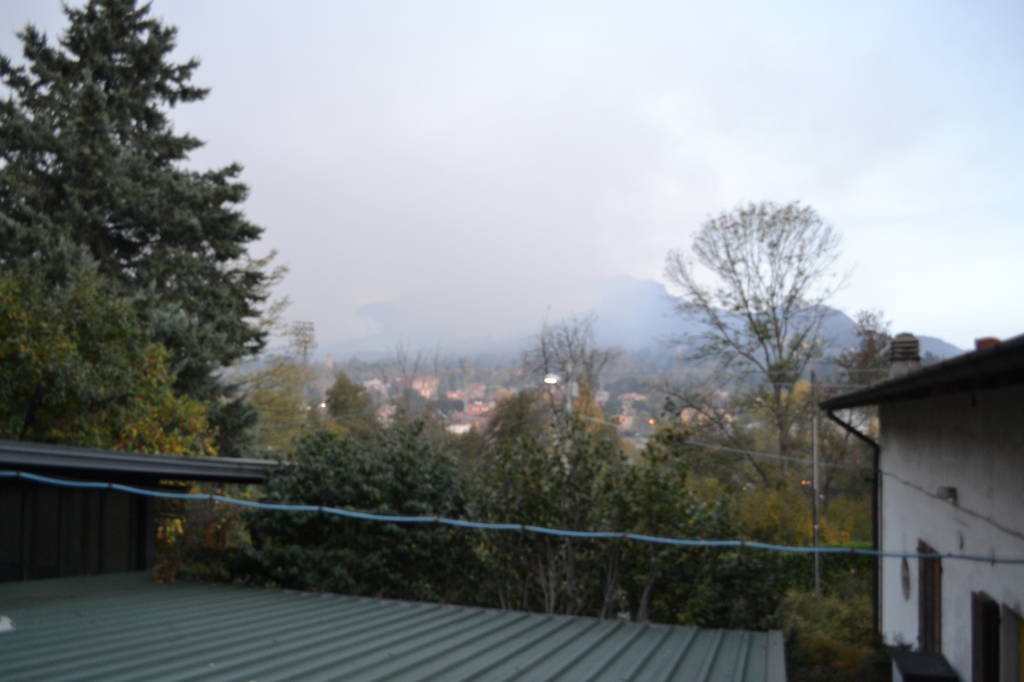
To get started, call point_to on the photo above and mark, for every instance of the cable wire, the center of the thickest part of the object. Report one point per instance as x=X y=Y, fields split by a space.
x=768 y=455
x=462 y=523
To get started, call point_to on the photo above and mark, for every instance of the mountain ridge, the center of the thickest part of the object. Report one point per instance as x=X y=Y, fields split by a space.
x=632 y=314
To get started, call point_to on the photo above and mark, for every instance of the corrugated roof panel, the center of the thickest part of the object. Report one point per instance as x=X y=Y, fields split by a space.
x=67 y=459
x=125 y=627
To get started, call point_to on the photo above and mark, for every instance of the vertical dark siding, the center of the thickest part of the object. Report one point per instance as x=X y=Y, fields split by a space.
x=11 y=528
x=48 y=532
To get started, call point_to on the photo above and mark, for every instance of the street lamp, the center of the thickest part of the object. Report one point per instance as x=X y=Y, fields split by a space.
x=551 y=379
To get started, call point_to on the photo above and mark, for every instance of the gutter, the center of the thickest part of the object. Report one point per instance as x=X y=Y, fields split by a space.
x=49 y=457
x=876 y=516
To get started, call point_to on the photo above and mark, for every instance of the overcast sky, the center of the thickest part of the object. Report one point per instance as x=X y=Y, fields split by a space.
x=485 y=162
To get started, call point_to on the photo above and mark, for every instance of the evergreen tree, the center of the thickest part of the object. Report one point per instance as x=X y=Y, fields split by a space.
x=90 y=166
x=350 y=406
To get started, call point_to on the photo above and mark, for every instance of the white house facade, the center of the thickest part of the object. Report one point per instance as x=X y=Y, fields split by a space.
x=950 y=477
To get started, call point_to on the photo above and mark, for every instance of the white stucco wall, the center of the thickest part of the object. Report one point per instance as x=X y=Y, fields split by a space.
x=974 y=442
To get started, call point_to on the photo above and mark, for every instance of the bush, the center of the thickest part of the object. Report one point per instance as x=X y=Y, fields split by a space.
x=393 y=471
x=196 y=539
x=831 y=639
x=563 y=480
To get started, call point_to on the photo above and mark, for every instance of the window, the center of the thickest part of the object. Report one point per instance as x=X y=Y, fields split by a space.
x=929 y=601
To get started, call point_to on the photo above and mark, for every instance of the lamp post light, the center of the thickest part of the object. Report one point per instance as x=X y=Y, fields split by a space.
x=552 y=379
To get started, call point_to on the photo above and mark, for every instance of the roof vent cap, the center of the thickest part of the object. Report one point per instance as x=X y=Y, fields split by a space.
x=904 y=355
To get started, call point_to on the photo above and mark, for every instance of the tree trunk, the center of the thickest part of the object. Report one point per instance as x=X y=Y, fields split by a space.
x=643 y=610
x=572 y=603
x=611 y=583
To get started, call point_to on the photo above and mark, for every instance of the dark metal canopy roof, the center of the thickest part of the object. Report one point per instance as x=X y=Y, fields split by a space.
x=123 y=627
x=993 y=367
x=89 y=463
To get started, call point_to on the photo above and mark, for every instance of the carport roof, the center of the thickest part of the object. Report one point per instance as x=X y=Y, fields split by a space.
x=125 y=627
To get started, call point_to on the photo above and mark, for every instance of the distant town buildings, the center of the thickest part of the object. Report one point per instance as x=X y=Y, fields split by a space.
x=467 y=405
x=376 y=387
x=425 y=386
x=480 y=408
x=476 y=391
x=692 y=417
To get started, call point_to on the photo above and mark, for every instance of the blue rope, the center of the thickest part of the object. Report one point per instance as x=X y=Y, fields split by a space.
x=462 y=523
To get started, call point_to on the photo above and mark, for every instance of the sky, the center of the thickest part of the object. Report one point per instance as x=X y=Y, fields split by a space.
x=486 y=164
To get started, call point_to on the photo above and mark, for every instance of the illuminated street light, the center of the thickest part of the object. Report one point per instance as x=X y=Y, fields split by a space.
x=551 y=379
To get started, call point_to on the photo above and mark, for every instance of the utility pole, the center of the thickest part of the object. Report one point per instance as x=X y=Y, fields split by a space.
x=303 y=336
x=814 y=485
x=568 y=390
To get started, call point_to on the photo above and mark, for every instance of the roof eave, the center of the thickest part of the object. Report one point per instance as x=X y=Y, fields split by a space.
x=993 y=367
x=64 y=458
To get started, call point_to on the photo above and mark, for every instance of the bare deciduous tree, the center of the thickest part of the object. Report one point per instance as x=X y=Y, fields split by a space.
x=758 y=278
x=569 y=350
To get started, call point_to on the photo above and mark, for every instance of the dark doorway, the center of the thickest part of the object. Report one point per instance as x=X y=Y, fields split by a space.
x=929 y=600
x=984 y=637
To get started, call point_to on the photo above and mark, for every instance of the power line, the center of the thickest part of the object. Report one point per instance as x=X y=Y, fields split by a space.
x=751 y=453
x=769 y=455
x=970 y=512
x=526 y=528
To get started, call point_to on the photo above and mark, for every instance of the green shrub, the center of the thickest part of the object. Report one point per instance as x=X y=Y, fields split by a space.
x=831 y=638
x=196 y=539
x=393 y=471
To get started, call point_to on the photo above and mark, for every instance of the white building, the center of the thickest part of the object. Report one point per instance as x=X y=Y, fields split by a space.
x=951 y=481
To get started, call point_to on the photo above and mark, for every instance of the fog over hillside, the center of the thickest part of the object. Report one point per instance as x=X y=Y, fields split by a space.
x=470 y=164
x=631 y=314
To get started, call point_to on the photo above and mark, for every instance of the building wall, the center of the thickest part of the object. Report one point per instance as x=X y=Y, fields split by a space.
x=973 y=442
x=50 y=532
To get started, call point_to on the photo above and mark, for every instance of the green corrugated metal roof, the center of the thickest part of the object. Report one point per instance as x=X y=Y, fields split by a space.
x=47 y=458
x=126 y=627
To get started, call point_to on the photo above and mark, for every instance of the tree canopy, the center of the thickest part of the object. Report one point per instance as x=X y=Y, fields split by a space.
x=569 y=350
x=394 y=471
x=77 y=367
x=771 y=271
x=349 y=405
x=90 y=166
